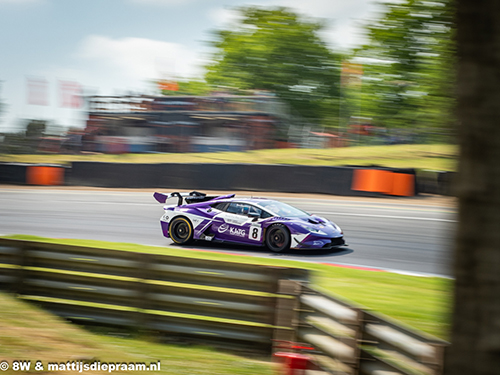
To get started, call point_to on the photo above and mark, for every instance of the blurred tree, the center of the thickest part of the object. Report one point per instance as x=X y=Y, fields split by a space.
x=409 y=69
x=475 y=336
x=277 y=50
x=35 y=129
x=27 y=141
x=189 y=87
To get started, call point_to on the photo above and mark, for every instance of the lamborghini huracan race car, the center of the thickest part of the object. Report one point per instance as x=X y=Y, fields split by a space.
x=248 y=221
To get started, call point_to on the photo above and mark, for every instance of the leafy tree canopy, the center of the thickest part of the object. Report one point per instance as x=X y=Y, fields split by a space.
x=188 y=87
x=35 y=128
x=408 y=63
x=277 y=50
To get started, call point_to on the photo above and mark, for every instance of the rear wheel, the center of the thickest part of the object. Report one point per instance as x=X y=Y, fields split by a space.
x=181 y=230
x=278 y=238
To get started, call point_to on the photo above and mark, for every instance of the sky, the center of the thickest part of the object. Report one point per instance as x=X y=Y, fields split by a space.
x=116 y=47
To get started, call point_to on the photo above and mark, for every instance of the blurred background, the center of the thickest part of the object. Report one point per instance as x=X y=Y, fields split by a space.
x=153 y=76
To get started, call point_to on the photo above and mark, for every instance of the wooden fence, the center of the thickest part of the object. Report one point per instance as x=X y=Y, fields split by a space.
x=264 y=308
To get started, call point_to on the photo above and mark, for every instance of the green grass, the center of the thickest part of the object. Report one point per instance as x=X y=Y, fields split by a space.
x=435 y=157
x=420 y=302
x=29 y=333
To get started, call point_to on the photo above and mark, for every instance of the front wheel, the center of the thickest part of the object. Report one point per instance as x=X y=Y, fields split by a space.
x=181 y=230
x=278 y=238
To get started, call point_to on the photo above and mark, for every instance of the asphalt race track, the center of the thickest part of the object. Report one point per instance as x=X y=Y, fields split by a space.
x=410 y=235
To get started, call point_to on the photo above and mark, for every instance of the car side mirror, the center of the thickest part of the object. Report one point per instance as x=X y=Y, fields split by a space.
x=254 y=215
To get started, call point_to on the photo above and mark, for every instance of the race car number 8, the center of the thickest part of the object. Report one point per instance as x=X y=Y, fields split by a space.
x=254 y=233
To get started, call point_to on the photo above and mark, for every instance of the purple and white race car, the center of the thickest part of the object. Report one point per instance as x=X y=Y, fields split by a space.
x=248 y=221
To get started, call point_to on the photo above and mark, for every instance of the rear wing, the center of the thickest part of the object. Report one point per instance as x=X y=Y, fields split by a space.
x=192 y=197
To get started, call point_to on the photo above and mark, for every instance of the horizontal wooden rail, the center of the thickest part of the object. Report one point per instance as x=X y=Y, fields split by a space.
x=221 y=302
x=226 y=303
x=362 y=342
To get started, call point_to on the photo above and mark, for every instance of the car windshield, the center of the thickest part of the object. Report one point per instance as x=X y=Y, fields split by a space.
x=283 y=209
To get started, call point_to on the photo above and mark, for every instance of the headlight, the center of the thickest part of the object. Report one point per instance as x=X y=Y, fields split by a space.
x=314 y=230
x=310 y=229
x=335 y=226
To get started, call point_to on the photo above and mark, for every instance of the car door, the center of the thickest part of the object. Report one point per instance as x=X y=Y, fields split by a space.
x=235 y=224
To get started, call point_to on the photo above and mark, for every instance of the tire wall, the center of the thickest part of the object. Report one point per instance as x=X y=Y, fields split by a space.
x=27 y=174
x=436 y=182
x=349 y=181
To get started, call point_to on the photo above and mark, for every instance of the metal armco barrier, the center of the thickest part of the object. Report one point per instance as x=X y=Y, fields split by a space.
x=349 y=340
x=211 y=301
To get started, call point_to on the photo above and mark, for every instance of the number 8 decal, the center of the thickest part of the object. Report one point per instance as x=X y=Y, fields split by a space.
x=254 y=233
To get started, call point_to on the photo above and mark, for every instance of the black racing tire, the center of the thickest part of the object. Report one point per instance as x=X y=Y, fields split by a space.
x=181 y=230
x=278 y=238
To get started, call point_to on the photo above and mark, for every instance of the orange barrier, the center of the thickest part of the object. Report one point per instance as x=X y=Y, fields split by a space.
x=404 y=184
x=385 y=182
x=37 y=175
